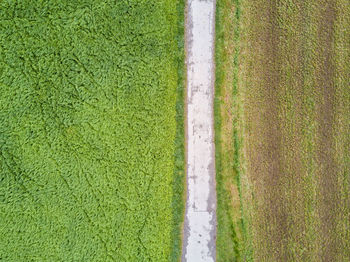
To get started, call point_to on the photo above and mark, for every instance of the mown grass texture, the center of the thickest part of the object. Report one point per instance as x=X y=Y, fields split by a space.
x=87 y=130
x=232 y=236
x=286 y=94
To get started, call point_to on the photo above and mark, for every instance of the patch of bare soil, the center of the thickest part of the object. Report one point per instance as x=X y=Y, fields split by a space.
x=327 y=168
x=263 y=136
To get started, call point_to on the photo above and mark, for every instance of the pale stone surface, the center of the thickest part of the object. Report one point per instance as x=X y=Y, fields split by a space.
x=200 y=217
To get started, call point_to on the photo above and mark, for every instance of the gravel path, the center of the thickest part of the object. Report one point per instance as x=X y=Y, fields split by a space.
x=200 y=218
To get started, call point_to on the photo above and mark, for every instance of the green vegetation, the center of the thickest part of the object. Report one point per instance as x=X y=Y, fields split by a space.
x=231 y=233
x=282 y=131
x=91 y=115
x=179 y=171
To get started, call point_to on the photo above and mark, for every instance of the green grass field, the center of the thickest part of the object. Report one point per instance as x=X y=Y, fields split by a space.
x=232 y=244
x=92 y=130
x=282 y=130
x=91 y=117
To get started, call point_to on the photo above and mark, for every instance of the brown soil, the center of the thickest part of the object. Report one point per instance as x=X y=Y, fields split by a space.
x=327 y=169
x=293 y=88
x=275 y=114
x=263 y=139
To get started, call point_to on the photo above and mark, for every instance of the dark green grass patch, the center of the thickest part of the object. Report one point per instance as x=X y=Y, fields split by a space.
x=87 y=130
x=179 y=171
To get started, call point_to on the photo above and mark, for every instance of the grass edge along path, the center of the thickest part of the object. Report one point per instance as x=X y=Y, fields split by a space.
x=179 y=170
x=232 y=232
